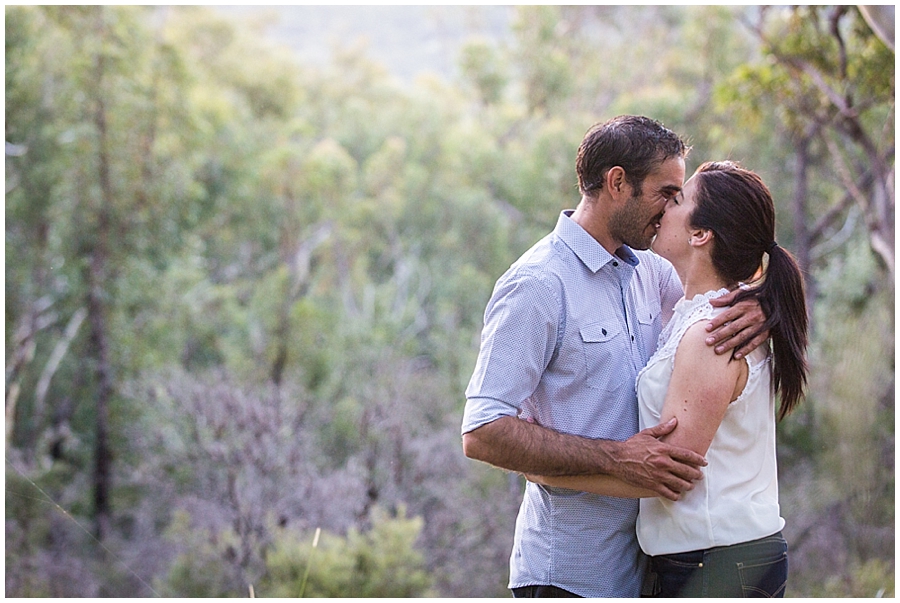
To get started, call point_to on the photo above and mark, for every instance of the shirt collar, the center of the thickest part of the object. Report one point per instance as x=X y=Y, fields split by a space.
x=586 y=247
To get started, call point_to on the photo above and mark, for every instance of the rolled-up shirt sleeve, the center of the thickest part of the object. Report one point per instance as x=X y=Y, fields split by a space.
x=517 y=342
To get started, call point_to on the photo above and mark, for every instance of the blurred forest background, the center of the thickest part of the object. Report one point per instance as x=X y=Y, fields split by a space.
x=244 y=286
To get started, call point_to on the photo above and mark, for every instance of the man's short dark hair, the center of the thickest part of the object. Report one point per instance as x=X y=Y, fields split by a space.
x=635 y=143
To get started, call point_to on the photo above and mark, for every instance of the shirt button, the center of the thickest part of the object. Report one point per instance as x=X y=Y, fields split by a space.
x=616 y=264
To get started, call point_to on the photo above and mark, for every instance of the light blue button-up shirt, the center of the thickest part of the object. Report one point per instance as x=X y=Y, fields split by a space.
x=566 y=331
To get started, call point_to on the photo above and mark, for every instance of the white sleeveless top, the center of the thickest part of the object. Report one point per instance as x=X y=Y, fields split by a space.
x=737 y=499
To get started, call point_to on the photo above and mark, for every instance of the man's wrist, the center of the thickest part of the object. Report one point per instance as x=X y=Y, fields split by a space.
x=607 y=459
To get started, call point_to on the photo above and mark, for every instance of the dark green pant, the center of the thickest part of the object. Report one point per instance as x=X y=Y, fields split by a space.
x=750 y=569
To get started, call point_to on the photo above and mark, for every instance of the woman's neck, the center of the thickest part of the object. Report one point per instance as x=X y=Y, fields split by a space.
x=700 y=277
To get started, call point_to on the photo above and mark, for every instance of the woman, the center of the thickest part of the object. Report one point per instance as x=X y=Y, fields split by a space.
x=723 y=537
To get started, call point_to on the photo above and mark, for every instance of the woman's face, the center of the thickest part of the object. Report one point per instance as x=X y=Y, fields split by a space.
x=673 y=238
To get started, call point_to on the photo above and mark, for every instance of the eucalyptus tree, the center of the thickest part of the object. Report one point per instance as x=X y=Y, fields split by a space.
x=832 y=81
x=89 y=184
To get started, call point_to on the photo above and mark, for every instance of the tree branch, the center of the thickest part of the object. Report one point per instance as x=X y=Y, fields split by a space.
x=59 y=352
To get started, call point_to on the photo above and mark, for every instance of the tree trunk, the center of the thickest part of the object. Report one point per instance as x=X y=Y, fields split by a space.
x=97 y=310
x=803 y=237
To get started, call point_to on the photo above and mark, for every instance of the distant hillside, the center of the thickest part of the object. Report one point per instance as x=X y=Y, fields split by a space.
x=408 y=40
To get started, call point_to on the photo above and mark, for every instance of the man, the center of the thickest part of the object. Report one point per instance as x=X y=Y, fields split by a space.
x=566 y=331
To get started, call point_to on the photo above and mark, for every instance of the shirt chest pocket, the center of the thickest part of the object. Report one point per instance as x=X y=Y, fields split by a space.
x=646 y=314
x=604 y=354
x=650 y=323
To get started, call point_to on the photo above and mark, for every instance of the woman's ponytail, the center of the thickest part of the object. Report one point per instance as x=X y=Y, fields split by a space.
x=782 y=297
x=737 y=206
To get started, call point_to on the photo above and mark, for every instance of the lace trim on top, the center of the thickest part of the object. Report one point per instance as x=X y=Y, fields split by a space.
x=686 y=313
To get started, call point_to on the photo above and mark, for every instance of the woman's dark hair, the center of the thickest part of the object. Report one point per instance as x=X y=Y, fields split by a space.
x=737 y=207
x=636 y=144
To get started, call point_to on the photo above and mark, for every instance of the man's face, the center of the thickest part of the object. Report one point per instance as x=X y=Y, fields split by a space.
x=637 y=221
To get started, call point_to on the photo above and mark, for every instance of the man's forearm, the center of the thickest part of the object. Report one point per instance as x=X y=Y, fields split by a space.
x=642 y=460
x=516 y=445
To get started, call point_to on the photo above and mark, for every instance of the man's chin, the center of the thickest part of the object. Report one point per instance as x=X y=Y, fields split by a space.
x=641 y=244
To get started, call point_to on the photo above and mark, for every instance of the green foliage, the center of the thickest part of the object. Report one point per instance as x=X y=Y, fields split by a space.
x=340 y=437
x=20 y=498
x=482 y=67
x=542 y=58
x=853 y=342
x=47 y=514
x=380 y=562
x=873 y=578
x=200 y=570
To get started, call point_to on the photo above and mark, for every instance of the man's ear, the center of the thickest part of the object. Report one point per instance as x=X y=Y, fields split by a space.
x=616 y=182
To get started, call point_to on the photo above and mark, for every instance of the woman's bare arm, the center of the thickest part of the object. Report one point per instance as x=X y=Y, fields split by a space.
x=597 y=484
x=703 y=384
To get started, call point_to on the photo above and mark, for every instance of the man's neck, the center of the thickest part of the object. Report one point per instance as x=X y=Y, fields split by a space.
x=591 y=217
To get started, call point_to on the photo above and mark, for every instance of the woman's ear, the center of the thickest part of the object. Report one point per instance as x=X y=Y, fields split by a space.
x=701 y=237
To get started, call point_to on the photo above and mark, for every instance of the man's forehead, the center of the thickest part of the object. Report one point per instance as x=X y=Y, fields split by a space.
x=669 y=175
